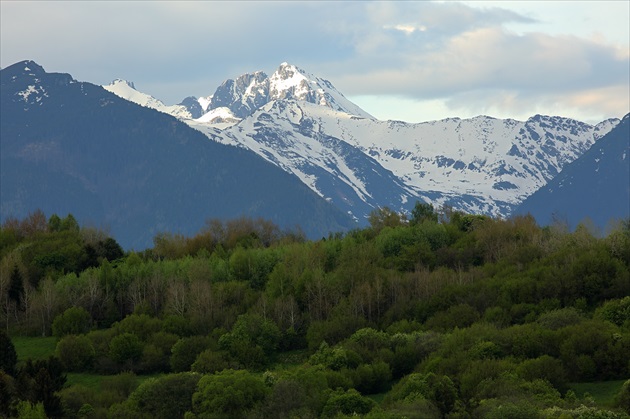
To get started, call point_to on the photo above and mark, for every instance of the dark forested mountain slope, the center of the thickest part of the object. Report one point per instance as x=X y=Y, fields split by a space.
x=596 y=185
x=72 y=147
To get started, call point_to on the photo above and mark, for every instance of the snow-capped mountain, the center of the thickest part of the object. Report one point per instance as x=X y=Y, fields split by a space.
x=72 y=147
x=302 y=124
x=247 y=93
x=479 y=165
x=239 y=98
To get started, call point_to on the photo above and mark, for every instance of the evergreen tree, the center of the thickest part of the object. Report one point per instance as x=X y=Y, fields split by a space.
x=16 y=286
x=8 y=356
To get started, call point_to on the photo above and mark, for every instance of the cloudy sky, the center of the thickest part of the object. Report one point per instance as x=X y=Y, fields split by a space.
x=411 y=61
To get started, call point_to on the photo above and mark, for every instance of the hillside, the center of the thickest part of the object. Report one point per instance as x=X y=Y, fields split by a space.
x=596 y=186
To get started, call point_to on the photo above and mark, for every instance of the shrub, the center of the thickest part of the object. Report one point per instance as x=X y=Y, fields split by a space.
x=186 y=351
x=348 y=402
x=125 y=349
x=76 y=353
x=73 y=321
x=165 y=397
x=228 y=394
x=623 y=397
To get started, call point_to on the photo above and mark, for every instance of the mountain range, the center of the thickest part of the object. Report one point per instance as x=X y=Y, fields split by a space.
x=288 y=147
x=302 y=124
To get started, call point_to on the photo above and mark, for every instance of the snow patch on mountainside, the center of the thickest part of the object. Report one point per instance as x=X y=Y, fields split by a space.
x=222 y=117
x=127 y=90
x=481 y=165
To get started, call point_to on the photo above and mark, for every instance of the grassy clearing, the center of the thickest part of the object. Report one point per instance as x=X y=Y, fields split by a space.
x=34 y=347
x=378 y=398
x=92 y=381
x=287 y=360
x=603 y=392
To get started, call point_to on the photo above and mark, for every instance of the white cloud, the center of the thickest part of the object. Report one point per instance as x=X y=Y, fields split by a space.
x=407 y=28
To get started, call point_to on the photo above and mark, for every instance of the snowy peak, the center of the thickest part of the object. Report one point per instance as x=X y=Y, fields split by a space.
x=248 y=92
x=123 y=82
x=291 y=82
x=31 y=82
x=236 y=99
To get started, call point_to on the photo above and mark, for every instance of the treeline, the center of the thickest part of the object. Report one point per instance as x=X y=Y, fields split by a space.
x=447 y=314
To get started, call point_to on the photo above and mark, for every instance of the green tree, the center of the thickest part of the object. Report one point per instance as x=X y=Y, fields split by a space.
x=126 y=349
x=54 y=223
x=110 y=249
x=289 y=398
x=73 y=321
x=210 y=362
x=69 y=224
x=120 y=385
x=623 y=397
x=460 y=315
x=229 y=394
x=349 y=402
x=7 y=395
x=372 y=378
x=157 y=352
x=252 y=340
x=186 y=351
x=141 y=325
x=616 y=311
x=16 y=286
x=438 y=389
x=40 y=381
x=423 y=212
x=28 y=410
x=76 y=353
x=546 y=368
x=165 y=397
x=8 y=356
x=385 y=217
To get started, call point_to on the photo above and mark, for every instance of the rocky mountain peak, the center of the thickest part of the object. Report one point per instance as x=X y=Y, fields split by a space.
x=123 y=82
x=250 y=91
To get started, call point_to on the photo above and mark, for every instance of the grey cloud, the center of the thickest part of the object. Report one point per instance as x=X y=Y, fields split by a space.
x=176 y=49
x=492 y=58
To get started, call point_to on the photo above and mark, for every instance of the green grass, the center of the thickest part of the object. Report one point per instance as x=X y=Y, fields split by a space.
x=34 y=347
x=287 y=360
x=603 y=392
x=92 y=381
x=378 y=398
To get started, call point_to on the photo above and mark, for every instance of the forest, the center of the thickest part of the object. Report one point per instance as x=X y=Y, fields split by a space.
x=434 y=314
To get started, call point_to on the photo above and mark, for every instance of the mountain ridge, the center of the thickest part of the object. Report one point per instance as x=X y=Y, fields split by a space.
x=599 y=179
x=479 y=165
x=73 y=147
